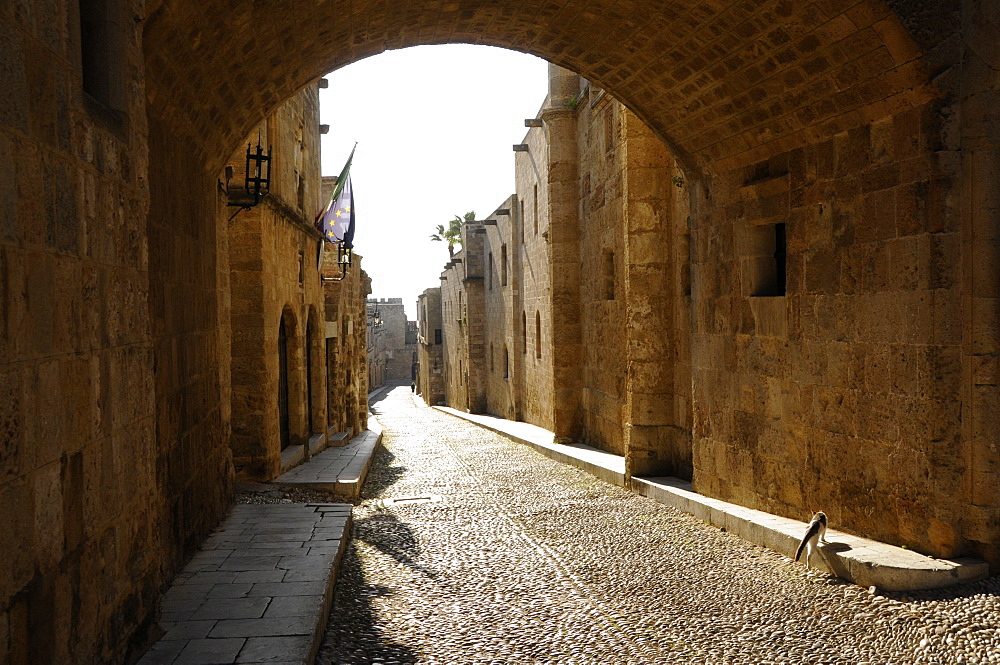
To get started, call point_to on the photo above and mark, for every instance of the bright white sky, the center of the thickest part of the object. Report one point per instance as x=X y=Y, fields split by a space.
x=434 y=127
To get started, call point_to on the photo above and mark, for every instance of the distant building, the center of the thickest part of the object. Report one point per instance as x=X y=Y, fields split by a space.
x=430 y=347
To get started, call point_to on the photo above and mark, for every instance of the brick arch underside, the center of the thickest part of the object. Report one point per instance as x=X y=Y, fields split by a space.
x=721 y=82
x=836 y=116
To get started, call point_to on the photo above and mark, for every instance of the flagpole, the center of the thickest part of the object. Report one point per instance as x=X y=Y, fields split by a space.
x=343 y=174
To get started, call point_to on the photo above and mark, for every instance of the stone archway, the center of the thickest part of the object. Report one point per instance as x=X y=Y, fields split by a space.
x=835 y=117
x=870 y=125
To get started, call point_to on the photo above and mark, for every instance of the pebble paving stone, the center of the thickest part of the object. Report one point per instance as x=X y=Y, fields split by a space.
x=500 y=555
x=255 y=591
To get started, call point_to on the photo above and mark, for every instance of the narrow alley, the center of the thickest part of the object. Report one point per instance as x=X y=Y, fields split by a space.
x=469 y=548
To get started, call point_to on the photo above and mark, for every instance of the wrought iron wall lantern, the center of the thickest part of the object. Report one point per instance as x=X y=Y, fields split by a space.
x=257 y=178
x=344 y=256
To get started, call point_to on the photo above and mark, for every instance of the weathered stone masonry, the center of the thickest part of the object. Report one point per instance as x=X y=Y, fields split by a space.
x=786 y=332
x=870 y=126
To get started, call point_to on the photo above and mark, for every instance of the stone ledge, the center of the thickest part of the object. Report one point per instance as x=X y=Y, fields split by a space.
x=317 y=442
x=337 y=439
x=340 y=469
x=860 y=560
x=292 y=456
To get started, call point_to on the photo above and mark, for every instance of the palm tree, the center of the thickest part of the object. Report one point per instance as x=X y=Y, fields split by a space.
x=453 y=234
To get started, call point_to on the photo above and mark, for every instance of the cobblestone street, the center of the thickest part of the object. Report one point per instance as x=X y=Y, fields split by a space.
x=500 y=555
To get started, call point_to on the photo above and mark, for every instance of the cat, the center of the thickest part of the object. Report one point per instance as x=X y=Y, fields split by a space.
x=816 y=533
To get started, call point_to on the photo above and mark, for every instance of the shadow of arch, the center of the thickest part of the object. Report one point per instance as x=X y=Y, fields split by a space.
x=353 y=620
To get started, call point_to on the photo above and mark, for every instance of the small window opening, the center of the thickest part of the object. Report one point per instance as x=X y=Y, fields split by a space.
x=608 y=275
x=489 y=271
x=520 y=222
x=609 y=130
x=534 y=202
x=437 y=335
x=503 y=265
x=770 y=265
x=538 y=334
x=524 y=332
x=102 y=55
x=506 y=363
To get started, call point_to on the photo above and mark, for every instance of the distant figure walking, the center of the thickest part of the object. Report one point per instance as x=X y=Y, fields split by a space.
x=413 y=386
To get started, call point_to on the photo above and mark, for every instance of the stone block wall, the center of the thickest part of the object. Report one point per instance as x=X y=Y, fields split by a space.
x=657 y=418
x=534 y=323
x=463 y=326
x=274 y=278
x=399 y=354
x=430 y=359
x=377 y=350
x=95 y=454
x=502 y=372
x=346 y=345
x=602 y=276
x=845 y=390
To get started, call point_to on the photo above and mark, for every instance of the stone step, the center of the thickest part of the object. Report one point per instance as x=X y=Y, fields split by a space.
x=340 y=469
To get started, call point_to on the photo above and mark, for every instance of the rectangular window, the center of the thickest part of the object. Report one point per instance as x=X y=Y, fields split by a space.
x=768 y=265
x=534 y=201
x=102 y=55
x=538 y=334
x=520 y=222
x=489 y=271
x=608 y=275
x=503 y=265
x=609 y=130
x=437 y=335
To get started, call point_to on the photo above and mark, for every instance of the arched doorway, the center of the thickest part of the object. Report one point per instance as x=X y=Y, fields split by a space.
x=310 y=425
x=284 y=429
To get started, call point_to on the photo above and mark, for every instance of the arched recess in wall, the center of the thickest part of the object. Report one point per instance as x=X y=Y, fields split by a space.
x=314 y=372
x=287 y=383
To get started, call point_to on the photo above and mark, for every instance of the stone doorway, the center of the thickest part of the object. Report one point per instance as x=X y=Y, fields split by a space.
x=283 y=427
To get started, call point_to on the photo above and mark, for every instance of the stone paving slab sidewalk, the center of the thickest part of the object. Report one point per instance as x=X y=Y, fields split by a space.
x=341 y=470
x=859 y=560
x=259 y=589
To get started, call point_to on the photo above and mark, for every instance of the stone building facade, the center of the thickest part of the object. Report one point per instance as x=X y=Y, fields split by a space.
x=400 y=342
x=868 y=129
x=430 y=346
x=346 y=348
x=751 y=341
x=294 y=367
x=378 y=351
x=278 y=377
x=346 y=344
